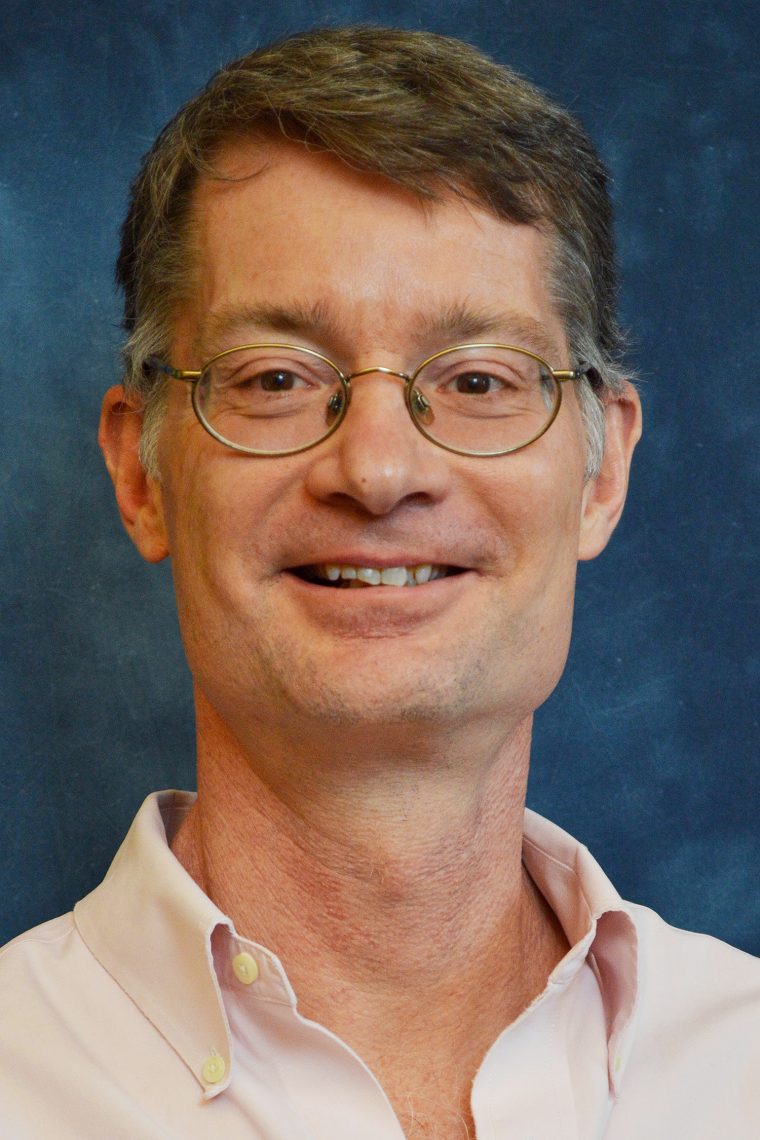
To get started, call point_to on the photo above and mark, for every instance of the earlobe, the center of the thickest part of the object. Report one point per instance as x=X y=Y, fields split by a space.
x=604 y=496
x=138 y=495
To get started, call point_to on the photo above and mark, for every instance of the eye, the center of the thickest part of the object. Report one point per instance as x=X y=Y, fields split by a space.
x=254 y=376
x=478 y=383
x=276 y=380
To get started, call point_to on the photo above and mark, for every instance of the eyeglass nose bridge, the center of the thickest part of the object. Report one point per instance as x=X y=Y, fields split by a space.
x=417 y=404
x=338 y=403
x=406 y=377
x=378 y=368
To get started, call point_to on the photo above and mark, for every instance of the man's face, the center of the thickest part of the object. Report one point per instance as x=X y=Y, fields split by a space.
x=312 y=253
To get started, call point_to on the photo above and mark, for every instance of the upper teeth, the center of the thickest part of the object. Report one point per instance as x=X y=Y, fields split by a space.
x=389 y=576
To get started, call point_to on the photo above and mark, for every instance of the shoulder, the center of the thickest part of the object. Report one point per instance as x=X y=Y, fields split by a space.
x=74 y=1047
x=683 y=972
x=50 y=941
x=695 y=1046
x=50 y=982
x=40 y=974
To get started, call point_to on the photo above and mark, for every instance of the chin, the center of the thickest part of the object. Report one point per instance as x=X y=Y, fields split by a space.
x=347 y=708
x=394 y=692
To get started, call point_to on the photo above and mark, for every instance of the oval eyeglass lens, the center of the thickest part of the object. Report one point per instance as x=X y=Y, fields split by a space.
x=270 y=398
x=484 y=399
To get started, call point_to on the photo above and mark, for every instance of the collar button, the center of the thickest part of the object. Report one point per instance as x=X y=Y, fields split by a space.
x=213 y=1070
x=245 y=967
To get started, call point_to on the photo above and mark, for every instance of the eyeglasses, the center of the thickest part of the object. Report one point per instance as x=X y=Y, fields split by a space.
x=280 y=399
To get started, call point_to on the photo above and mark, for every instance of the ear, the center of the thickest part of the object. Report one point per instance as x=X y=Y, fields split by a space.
x=604 y=496
x=138 y=495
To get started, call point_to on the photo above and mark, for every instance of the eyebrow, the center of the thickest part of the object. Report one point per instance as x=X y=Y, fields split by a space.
x=460 y=322
x=291 y=319
x=456 y=323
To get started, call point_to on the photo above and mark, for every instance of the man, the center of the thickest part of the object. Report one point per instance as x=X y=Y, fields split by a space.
x=374 y=413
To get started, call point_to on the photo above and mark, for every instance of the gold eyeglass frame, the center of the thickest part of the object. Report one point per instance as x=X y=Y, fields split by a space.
x=411 y=396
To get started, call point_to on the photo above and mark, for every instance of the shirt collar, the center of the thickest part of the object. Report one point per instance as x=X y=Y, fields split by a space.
x=150 y=926
x=597 y=923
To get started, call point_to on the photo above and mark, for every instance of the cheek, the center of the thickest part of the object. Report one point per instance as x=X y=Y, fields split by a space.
x=222 y=518
x=545 y=570
x=537 y=511
x=213 y=567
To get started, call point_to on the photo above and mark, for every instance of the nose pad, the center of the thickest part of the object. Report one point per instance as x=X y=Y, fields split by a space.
x=335 y=406
x=421 y=408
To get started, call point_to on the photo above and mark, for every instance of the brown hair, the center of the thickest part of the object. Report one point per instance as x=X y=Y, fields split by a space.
x=429 y=113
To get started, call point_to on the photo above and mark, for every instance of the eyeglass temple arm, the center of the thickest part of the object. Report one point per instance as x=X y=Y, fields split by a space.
x=153 y=363
x=583 y=369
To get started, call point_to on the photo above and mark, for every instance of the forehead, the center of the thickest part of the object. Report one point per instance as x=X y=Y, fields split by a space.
x=292 y=238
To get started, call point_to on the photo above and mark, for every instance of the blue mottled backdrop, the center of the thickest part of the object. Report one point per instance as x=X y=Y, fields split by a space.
x=649 y=749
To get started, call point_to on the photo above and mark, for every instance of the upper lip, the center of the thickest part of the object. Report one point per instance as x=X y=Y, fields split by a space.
x=375 y=562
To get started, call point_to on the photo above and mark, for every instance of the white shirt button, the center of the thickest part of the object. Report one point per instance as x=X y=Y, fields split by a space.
x=213 y=1069
x=245 y=967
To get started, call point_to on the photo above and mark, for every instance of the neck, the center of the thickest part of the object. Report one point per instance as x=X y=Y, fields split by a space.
x=379 y=880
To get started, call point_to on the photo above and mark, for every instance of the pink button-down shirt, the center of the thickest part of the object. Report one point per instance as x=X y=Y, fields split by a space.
x=143 y=1015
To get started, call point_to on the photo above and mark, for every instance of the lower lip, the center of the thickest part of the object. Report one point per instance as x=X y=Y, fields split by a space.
x=393 y=605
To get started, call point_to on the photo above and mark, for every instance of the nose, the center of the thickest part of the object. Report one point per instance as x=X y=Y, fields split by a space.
x=377 y=459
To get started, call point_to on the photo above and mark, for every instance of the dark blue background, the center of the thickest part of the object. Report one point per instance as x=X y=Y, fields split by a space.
x=649 y=749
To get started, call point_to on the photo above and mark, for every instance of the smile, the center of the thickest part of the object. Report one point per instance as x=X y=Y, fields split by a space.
x=348 y=576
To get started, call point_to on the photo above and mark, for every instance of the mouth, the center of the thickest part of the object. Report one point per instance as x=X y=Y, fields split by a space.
x=346 y=576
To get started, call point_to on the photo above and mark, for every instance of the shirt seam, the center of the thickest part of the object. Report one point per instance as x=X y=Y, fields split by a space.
x=30 y=937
